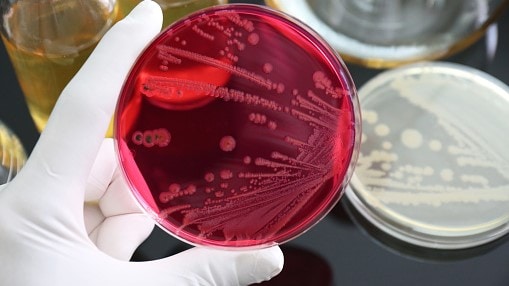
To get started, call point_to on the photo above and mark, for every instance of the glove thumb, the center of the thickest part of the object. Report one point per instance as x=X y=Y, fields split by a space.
x=205 y=266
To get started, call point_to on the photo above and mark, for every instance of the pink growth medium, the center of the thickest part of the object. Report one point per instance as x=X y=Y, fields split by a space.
x=238 y=127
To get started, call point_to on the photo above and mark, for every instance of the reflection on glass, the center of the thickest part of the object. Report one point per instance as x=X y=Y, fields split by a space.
x=12 y=154
x=339 y=214
x=302 y=267
x=412 y=251
x=387 y=33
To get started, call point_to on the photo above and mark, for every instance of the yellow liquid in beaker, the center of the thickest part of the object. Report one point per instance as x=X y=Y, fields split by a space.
x=47 y=49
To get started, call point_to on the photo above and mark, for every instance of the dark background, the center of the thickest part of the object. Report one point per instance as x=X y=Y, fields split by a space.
x=342 y=249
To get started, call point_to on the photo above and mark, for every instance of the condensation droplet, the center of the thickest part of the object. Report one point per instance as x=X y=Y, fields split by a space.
x=227 y=143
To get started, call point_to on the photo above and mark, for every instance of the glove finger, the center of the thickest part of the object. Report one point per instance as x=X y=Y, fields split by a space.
x=93 y=219
x=118 y=199
x=102 y=172
x=119 y=236
x=98 y=183
x=106 y=185
x=67 y=147
x=113 y=220
x=205 y=266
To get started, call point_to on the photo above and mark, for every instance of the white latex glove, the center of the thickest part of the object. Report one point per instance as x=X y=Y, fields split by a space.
x=45 y=238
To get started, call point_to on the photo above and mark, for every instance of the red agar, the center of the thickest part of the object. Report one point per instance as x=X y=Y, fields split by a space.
x=238 y=127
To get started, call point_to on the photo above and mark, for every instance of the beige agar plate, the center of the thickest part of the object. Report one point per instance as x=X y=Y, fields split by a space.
x=434 y=164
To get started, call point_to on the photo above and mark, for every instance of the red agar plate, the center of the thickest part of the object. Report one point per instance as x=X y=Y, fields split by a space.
x=238 y=127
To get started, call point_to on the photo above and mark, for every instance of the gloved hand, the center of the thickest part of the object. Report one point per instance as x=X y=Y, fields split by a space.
x=48 y=237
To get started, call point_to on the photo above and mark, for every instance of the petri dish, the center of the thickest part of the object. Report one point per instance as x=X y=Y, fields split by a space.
x=387 y=33
x=416 y=252
x=433 y=166
x=12 y=154
x=238 y=127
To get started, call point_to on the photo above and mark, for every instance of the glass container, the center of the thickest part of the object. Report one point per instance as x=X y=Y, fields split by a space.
x=48 y=41
x=12 y=154
x=389 y=33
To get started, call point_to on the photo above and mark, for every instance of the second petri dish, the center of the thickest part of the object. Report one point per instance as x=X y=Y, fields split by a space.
x=238 y=127
x=434 y=168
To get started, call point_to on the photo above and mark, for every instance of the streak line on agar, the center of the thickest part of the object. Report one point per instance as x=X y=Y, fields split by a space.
x=219 y=64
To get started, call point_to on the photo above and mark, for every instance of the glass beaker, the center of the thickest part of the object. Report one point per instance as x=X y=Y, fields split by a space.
x=48 y=41
x=389 y=33
x=12 y=154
